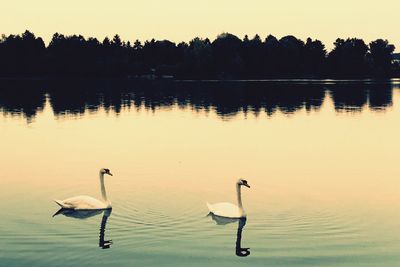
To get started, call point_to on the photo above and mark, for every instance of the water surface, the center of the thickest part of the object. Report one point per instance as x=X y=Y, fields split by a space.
x=321 y=159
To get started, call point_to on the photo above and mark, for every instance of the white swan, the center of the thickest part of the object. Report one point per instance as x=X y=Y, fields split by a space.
x=86 y=202
x=229 y=210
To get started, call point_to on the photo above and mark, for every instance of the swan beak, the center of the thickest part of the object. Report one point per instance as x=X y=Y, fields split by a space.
x=109 y=173
x=247 y=185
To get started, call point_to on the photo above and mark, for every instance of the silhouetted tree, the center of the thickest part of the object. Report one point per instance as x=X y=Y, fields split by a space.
x=22 y=55
x=348 y=58
x=271 y=56
x=106 y=42
x=381 y=56
x=198 y=59
x=116 y=41
x=314 y=57
x=251 y=55
x=291 y=56
x=226 y=55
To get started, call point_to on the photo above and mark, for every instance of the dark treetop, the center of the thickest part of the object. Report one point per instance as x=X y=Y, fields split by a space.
x=227 y=57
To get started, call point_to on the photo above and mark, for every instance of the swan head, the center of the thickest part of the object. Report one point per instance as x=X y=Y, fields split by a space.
x=105 y=171
x=243 y=182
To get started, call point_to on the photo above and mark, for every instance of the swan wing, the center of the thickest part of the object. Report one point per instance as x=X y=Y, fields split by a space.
x=225 y=209
x=82 y=203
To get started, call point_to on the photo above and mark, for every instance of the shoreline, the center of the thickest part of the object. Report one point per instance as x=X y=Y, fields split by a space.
x=261 y=80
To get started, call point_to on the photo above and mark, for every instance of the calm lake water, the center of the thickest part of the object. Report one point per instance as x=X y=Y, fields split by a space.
x=322 y=160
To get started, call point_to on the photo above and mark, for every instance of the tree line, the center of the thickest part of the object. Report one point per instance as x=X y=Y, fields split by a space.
x=226 y=57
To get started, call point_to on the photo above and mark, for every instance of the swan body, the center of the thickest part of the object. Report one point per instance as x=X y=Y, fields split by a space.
x=82 y=214
x=82 y=203
x=229 y=210
x=225 y=209
x=87 y=202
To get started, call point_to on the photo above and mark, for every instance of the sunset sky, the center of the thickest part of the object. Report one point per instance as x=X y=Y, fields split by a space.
x=181 y=20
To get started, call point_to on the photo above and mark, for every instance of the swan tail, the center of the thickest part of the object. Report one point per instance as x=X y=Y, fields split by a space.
x=61 y=204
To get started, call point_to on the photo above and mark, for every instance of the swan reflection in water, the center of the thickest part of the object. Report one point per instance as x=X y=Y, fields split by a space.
x=85 y=214
x=241 y=252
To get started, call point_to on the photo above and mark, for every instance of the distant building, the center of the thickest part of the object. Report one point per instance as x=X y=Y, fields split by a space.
x=396 y=58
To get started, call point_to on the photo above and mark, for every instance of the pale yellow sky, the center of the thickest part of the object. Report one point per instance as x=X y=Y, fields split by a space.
x=180 y=20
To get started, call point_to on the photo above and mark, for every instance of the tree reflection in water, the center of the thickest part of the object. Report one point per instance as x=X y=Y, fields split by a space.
x=227 y=99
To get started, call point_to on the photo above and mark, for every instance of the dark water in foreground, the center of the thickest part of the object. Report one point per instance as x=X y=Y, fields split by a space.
x=321 y=159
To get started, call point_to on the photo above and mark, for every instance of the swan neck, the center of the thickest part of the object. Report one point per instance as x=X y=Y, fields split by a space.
x=103 y=188
x=239 y=197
